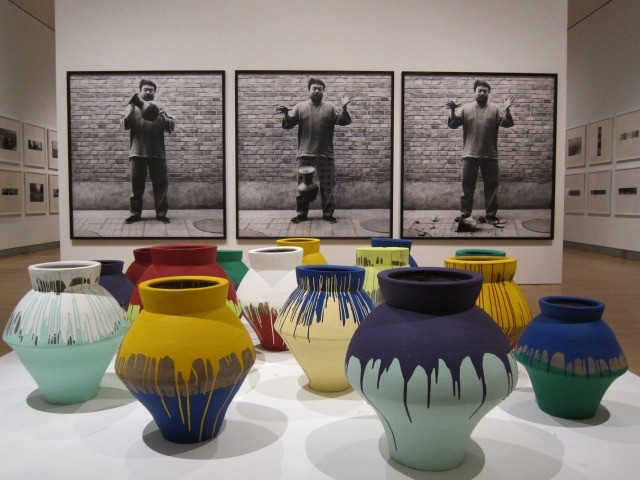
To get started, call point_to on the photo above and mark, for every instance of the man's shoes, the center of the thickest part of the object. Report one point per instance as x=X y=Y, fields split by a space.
x=329 y=218
x=301 y=217
x=492 y=220
x=163 y=219
x=133 y=219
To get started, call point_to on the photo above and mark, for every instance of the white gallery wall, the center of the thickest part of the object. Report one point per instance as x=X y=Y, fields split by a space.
x=511 y=36
x=604 y=82
x=27 y=94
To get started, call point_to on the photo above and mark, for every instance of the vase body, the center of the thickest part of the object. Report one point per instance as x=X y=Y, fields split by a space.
x=265 y=288
x=319 y=318
x=394 y=242
x=500 y=297
x=571 y=356
x=431 y=363
x=182 y=260
x=141 y=261
x=113 y=279
x=231 y=262
x=310 y=247
x=479 y=252
x=66 y=330
x=376 y=259
x=185 y=356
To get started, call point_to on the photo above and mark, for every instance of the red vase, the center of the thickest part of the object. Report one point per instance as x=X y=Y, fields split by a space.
x=182 y=260
x=141 y=261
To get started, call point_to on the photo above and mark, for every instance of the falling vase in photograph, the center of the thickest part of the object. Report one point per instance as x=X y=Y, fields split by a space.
x=431 y=363
x=180 y=260
x=66 y=330
x=395 y=242
x=500 y=297
x=376 y=259
x=264 y=289
x=310 y=247
x=571 y=356
x=231 y=262
x=319 y=318
x=141 y=261
x=185 y=356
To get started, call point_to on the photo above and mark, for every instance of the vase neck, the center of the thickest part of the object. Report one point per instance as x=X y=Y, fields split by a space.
x=571 y=309
x=330 y=278
x=142 y=255
x=111 y=267
x=382 y=257
x=184 y=255
x=183 y=295
x=275 y=258
x=308 y=245
x=494 y=269
x=229 y=256
x=390 y=242
x=58 y=276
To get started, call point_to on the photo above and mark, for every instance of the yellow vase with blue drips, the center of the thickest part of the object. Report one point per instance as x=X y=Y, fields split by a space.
x=186 y=355
x=319 y=318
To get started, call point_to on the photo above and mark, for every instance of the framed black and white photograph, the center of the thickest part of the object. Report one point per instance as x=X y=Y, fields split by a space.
x=52 y=149
x=627 y=136
x=599 y=193
x=34 y=146
x=11 y=192
x=10 y=141
x=314 y=154
x=478 y=155
x=626 y=192
x=35 y=193
x=54 y=194
x=574 y=193
x=600 y=138
x=147 y=154
x=575 y=153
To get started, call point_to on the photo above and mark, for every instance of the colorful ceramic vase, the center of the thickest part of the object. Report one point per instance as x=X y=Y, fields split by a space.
x=431 y=364
x=319 y=318
x=501 y=297
x=141 y=261
x=394 y=242
x=185 y=356
x=376 y=259
x=231 y=262
x=310 y=247
x=479 y=252
x=66 y=330
x=264 y=289
x=571 y=356
x=115 y=281
x=182 y=260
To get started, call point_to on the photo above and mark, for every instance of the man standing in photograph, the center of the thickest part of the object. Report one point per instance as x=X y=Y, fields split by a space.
x=147 y=123
x=316 y=120
x=480 y=121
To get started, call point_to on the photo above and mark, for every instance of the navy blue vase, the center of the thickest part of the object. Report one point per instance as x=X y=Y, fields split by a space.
x=113 y=279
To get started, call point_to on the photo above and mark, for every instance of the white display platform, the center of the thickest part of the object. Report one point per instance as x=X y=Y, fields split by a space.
x=276 y=428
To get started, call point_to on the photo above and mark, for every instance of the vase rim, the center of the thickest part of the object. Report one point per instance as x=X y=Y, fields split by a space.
x=456 y=276
x=299 y=239
x=64 y=264
x=277 y=250
x=329 y=268
x=184 y=246
x=481 y=259
x=205 y=281
x=568 y=302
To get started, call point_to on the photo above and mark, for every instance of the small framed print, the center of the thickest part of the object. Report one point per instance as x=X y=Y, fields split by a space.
x=576 y=142
x=33 y=144
x=626 y=192
x=600 y=142
x=52 y=149
x=11 y=196
x=54 y=194
x=10 y=141
x=574 y=193
x=599 y=193
x=35 y=188
x=627 y=139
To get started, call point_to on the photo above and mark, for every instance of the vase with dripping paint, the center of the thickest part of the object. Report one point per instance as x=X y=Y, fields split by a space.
x=66 y=330
x=376 y=259
x=141 y=261
x=431 y=363
x=500 y=297
x=310 y=246
x=231 y=262
x=571 y=356
x=182 y=260
x=115 y=281
x=319 y=318
x=395 y=242
x=264 y=289
x=185 y=356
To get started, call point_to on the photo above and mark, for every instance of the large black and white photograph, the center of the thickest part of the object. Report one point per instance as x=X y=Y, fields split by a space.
x=478 y=155
x=10 y=141
x=147 y=154
x=314 y=154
